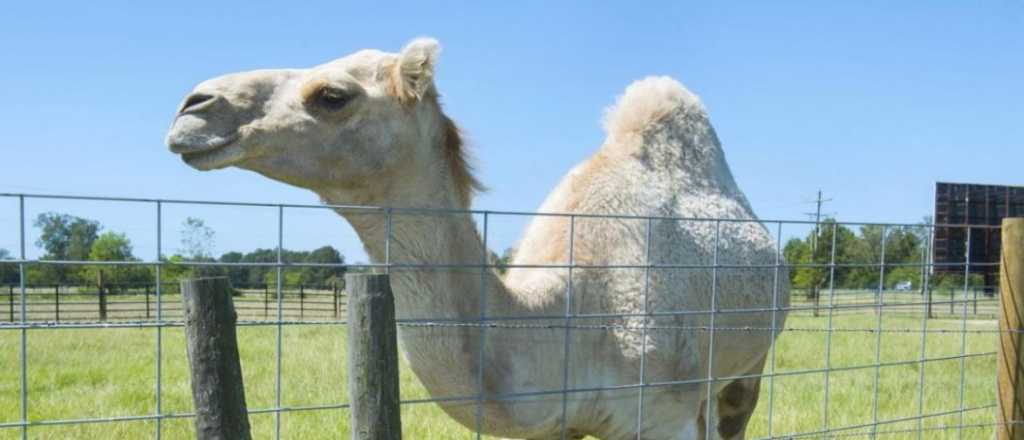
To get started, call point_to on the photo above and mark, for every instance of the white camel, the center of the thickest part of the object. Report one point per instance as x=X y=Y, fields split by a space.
x=367 y=129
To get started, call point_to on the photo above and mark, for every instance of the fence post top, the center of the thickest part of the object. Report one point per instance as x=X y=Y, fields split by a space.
x=222 y=282
x=368 y=285
x=204 y=279
x=1013 y=220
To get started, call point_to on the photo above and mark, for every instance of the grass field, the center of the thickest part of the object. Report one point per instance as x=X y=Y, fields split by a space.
x=89 y=373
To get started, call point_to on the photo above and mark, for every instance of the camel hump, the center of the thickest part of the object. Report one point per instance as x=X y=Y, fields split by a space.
x=647 y=101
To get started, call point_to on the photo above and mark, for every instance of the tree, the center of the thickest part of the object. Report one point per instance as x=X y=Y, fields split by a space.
x=175 y=271
x=797 y=253
x=291 y=278
x=257 y=275
x=8 y=272
x=505 y=259
x=239 y=275
x=64 y=237
x=953 y=282
x=197 y=240
x=320 y=276
x=197 y=243
x=112 y=246
x=903 y=253
x=903 y=248
x=813 y=269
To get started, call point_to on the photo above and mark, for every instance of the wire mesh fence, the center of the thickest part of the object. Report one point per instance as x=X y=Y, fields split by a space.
x=855 y=358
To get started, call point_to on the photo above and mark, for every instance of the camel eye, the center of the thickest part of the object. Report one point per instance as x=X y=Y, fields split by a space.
x=332 y=98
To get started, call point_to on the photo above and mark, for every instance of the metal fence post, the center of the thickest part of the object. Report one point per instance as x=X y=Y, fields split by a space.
x=951 y=301
x=975 y=291
x=302 y=300
x=217 y=390
x=158 y=285
x=334 y=286
x=102 y=295
x=1010 y=363
x=928 y=299
x=56 y=302
x=372 y=358
x=10 y=300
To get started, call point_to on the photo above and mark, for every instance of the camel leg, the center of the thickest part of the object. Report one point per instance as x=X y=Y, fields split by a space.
x=736 y=403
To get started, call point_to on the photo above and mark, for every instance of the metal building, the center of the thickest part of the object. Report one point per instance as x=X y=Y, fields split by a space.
x=972 y=212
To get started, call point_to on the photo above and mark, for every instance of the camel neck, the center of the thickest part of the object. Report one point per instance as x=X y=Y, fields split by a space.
x=437 y=262
x=436 y=257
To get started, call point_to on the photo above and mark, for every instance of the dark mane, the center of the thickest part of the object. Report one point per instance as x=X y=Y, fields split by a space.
x=457 y=157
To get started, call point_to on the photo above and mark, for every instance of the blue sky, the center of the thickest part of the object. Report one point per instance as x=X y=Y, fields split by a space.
x=871 y=102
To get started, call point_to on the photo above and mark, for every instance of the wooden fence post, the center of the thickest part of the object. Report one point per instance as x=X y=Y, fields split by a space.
x=1010 y=363
x=56 y=302
x=928 y=293
x=302 y=299
x=372 y=358
x=10 y=300
x=334 y=286
x=102 y=295
x=217 y=390
x=952 y=297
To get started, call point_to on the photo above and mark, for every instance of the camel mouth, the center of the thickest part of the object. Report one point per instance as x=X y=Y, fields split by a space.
x=218 y=156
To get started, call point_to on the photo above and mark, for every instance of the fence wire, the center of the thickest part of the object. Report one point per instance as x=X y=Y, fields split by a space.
x=32 y=309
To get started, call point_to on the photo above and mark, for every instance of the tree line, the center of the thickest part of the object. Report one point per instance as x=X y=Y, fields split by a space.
x=858 y=259
x=65 y=237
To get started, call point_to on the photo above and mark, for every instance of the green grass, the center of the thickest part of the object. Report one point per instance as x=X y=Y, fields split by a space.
x=90 y=373
x=799 y=399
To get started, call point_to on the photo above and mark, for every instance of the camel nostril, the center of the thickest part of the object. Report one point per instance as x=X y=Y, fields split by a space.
x=196 y=101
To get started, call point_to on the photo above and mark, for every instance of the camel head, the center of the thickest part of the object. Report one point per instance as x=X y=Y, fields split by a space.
x=365 y=128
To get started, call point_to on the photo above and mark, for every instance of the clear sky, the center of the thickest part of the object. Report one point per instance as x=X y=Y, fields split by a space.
x=871 y=102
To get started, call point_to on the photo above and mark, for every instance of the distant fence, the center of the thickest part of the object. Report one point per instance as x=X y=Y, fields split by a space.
x=942 y=303
x=138 y=301
x=59 y=303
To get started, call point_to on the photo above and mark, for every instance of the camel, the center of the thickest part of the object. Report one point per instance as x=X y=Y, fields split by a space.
x=634 y=352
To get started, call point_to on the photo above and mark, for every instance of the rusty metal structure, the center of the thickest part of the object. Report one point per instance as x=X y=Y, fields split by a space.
x=960 y=208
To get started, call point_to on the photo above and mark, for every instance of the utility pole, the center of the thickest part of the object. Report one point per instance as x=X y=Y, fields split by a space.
x=817 y=219
x=814 y=245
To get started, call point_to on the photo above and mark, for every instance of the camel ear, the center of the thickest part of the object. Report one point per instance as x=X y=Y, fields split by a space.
x=413 y=74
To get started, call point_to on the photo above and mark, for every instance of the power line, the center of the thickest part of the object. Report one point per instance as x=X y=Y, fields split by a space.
x=814 y=242
x=817 y=218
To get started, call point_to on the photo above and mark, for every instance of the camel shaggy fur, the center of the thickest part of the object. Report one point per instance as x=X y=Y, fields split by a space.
x=367 y=129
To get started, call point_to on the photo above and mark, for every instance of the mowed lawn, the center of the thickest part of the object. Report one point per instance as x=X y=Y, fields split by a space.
x=96 y=373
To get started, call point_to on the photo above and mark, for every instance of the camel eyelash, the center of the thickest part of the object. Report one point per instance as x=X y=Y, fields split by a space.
x=333 y=98
x=327 y=97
